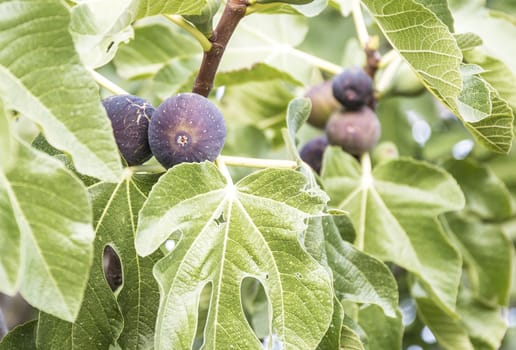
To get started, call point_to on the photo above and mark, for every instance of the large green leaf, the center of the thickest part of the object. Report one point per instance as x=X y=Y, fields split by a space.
x=479 y=326
x=271 y=40
x=227 y=233
x=486 y=250
x=145 y=56
x=8 y=145
x=21 y=337
x=448 y=331
x=382 y=332
x=394 y=209
x=486 y=195
x=430 y=48
x=441 y=9
x=413 y=30
x=98 y=26
x=496 y=31
x=127 y=319
x=488 y=257
x=182 y=7
x=46 y=234
x=357 y=277
x=497 y=73
x=41 y=77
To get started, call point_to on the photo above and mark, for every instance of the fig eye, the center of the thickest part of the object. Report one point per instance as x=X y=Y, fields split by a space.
x=186 y=128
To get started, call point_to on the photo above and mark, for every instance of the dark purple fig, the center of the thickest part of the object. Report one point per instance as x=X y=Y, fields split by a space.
x=186 y=128
x=312 y=152
x=130 y=116
x=112 y=268
x=353 y=88
x=355 y=131
x=323 y=104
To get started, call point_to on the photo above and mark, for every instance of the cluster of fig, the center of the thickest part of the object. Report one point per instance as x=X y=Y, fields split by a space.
x=184 y=128
x=342 y=107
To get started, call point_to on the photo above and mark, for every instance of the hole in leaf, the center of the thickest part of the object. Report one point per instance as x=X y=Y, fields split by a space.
x=112 y=268
x=220 y=220
x=255 y=305
x=202 y=318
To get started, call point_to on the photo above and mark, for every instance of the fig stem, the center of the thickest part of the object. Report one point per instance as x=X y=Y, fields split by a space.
x=322 y=64
x=366 y=184
x=234 y=11
x=224 y=169
x=387 y=77
x=106 y=83
x=188 y=27
x=259 y=163
x=360 y=25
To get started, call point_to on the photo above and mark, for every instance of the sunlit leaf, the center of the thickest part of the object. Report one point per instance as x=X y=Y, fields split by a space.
x=105 y=319
x=229 y=232
x=394 y=213
x=42 y=78
x=46 y=234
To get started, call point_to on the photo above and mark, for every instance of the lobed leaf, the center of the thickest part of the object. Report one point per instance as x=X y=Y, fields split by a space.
x=270 y=40
x=228 y=233
x=8 y=145
x=357 y=277
x=42 y=78
x=421 y=37
x=45 y=234
x=394 y=209
x=106 y=319
x=21 y=337
x=382 y=332
x=145 y=56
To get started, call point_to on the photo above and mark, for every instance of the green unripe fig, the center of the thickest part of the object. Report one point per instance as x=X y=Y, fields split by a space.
x=186 y=128
x=385 y=151
x=353 y=88
x=130 y=117
x=323 y=104
x=204 y=21
x=355 y=131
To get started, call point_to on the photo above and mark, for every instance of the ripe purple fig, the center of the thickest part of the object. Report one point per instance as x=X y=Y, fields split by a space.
x=355 y=131
x=130 y=116
x=186 y=128
x=353 y=88
x=312 y=152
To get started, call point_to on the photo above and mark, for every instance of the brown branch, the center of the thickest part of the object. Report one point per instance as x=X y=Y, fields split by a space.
x=233 y=13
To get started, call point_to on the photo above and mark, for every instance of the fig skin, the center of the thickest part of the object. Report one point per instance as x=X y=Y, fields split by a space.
x=186 y=128
x=312 y=152
x=355 y=131
x=353 y=88
x=130 y=116
x=323 y=104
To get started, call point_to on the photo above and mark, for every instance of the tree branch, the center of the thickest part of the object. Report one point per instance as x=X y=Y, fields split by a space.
x=233 y=13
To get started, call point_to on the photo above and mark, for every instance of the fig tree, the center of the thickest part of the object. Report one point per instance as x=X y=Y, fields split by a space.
x=312 y=152
x=353 y=88
x=186 y=128
x=323 y=104
x=355 y=131
x=130 y=116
